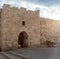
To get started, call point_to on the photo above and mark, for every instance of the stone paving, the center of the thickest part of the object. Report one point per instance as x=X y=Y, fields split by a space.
x=32 y=53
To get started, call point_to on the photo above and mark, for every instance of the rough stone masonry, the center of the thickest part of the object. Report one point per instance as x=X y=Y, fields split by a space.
x=25 y=27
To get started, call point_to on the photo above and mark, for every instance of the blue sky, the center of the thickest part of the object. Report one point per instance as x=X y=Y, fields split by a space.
x=48 y=8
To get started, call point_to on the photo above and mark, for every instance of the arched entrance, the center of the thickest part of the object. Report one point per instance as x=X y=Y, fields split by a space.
x=22 y=39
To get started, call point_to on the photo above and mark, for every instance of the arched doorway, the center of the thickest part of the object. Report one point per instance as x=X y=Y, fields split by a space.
x=22 y=39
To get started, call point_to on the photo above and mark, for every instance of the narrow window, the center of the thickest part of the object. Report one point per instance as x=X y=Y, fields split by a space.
x=23 y=23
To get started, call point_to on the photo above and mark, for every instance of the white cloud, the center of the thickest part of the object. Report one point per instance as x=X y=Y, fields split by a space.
x=52 y=12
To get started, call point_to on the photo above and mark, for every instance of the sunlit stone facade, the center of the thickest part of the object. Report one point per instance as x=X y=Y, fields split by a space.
x=13 y=21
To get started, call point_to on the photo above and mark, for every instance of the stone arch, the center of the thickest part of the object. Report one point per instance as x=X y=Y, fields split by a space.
x=23 y=39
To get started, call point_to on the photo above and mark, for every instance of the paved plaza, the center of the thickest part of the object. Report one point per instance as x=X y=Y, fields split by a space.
x=32 y=53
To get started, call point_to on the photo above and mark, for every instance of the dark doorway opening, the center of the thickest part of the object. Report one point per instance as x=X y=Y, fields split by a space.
x=22 y=40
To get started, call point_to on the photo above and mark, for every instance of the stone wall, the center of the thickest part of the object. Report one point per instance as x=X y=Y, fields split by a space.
x=49 y=30
x=38 y=29
x=12 y=19
x=0 y=29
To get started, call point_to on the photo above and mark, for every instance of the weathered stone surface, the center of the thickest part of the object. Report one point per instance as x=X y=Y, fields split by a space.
x=38 y=29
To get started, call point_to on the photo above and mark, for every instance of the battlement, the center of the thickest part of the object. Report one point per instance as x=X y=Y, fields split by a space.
x=21 y=9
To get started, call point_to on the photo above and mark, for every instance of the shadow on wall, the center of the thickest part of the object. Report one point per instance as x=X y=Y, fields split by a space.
x=50 y=44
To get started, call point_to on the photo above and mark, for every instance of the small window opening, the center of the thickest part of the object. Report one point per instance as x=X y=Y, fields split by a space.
x=23 y=22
